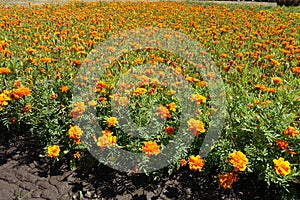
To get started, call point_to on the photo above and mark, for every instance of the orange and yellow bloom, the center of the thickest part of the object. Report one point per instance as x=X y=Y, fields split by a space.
x=238 y=160
x=282 y=167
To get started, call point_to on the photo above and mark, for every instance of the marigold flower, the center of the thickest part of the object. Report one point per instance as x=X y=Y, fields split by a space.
x=151 y=148
x=77 y=155
x=21 y=92
x=78 y=110
x=47 y=60
x=4 y=99
x=295 y=69
x=53 y=151
x=163 y=112
x=276 y=80
x=64 y=88
x=198 y=98
x=107 y=139
x=281 y=144
x=139 y=91
x=75 y=133
x=169 y=130
x=196 y=163
x=4 y=70
x=281 y=166
x=291 y=131
x=112 y=121
x=226 y=180
x=238 y=160
x=182 y=162
x=196 y=126
x=172 y=106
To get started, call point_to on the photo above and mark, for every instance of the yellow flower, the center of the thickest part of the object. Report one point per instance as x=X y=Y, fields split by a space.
x=53 y=151
x=282 y=167
x=238 y=160
x=172 y=106
x=198 y=98
x=196 y=163
x=139 y=91
x=4 y=99
x=112 y=121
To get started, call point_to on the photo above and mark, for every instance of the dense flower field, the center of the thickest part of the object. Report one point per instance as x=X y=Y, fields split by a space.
x=256 y=51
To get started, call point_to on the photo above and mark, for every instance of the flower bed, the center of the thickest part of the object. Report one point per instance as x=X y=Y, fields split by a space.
x=43 y=50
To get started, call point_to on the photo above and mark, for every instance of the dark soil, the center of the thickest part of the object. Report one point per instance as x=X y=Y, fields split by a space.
x=26 y=175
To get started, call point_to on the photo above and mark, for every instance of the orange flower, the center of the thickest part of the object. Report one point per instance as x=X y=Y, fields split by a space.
x=169 y=130
x=295 y=69
x=53 y=151
x=21 y=92
x=47 y=60
x=291 y=131
x=227 y=180
x=107 y=139
x=196 y=126
x=196 y=163
x=238 y=160
x=224 y=55
x=282 y=167
x=64 y=88
x=101 y=85
x=182 y=162
x=276 y=80
x=239 y=55
x=281 y=144
x=4 y=70
x=163 y=112
x=78 y=110
x=139 y=91
x=151 y=148
x=172 y=106
x=198 y=98
x=75 y=133
x=112 y=121
x=77 y=155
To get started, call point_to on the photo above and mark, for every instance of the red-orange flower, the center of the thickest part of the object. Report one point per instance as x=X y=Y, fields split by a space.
x=169 y=130
x=281 y=144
